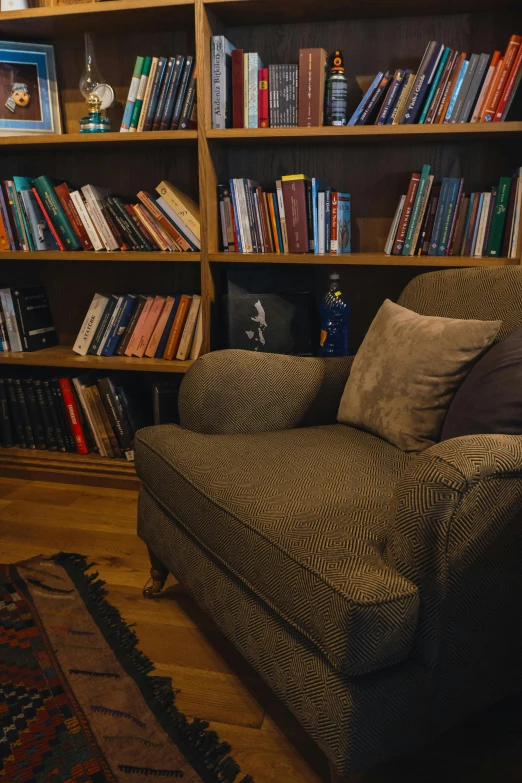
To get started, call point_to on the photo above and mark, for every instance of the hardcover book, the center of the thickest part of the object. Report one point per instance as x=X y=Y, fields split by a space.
x=312 y=76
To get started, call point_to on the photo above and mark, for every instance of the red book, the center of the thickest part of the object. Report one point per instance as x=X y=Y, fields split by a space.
x=74 y=416
x=495 y=96
x=64 y=194
x=49 y=221
x=406 y=215
x=262 y=98
x=509 y=86
x=237 y=89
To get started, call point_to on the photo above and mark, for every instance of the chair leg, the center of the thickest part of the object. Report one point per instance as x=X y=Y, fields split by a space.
x=354 y=777
x=158 y=574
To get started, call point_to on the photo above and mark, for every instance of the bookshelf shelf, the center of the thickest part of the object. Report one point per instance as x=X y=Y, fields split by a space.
x=371 y=133
x=357 y=259
x=63 y=356
x=103 y=256
x=99 y=140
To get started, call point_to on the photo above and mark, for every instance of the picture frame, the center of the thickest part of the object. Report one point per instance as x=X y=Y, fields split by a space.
x=29 y=101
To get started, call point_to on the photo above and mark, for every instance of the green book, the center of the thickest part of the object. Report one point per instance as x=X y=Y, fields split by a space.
x=45 y=189
x=415 y=213
x=138 y=103
x=499 y=217
x=20 y=184
x=131 y=97
x=435 y=84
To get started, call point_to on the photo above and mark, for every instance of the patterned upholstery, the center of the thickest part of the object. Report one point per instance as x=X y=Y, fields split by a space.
x=291 y=535
x=294 y=515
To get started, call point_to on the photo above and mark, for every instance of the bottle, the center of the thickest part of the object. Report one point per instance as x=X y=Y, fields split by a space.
x=335 y=321
x=336 y=92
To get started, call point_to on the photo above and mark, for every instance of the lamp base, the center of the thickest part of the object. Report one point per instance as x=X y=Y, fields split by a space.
x=95 y=122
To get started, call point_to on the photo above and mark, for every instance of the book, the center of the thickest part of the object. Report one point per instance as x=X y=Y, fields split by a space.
x=333 y=224
x=35 y=422
x=221 y=69
x=173 y=341
x=391 y=97
x=464 y=88
x=282 y=217
x=435 y=84
x=316 y=187
x=457 y=218
x=43 y=417
x=146 y=97
x=485 y=86
x=502 y=78
x=140 y=94
x=372 y=107
x=254 y=64
x=42 y=235
x=499 y=217
x=94 y=201
x=149 y=324
x=150 y=202
x=474 y=227
x=406 y=214
x=18 y=431
x=102 y=325
x=394 y=226
x=262 y=99
x=159 y=328
x=155 y=81
x=237 y=88
x=7 y=217
x=454 y=188
x=439 y=217
x=83 y=213
x=6 y=300
x=441 y=89
x=45 y=189
x=189 y=102
x=416 y=217
x=74 y=416
x=404 y=96
x=162 y=94
x=366 y=97
x=469 y=232
x=6 y=435
x=131 y=96
x=186 y=209
x=344 y=234
x=421 y=222
x=34 y=319
x=295 y=205
x=321 y=230
x=90 y=324
x=423 y=81
x=103 y=423
x=24 y=414
x=474 y=88
x=197 y=341
x=484 y=212
x=455 y=94
x=312 y=77
x=127 y=334
x=510 y=87
x=287 y=96
x=54 y=418
x=87 y=407
x=19 y=185
x=162 y=343
x=449 y=88
x=64 y=194
x=116 y=418
x=514 y=235
x=171 y=93
x=398 y=99
x=189 y=329
x=494 y=191
x=119 y=322
x=327 y=219
x=138 y=329
x=182 y=91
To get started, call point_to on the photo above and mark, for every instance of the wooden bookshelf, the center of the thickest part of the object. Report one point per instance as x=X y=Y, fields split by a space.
x=373 y=163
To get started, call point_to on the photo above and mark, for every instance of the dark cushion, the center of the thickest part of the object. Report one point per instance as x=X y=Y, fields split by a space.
x=490 y=399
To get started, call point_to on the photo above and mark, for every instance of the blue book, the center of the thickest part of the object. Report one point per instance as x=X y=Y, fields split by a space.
x=441 y=209
x=423 y=82
x=316 y=187
x=458 y=85
x=120 y=323
x=447 y=218
x=344 y=232
x=41 y=233
x=236 y=218
x=391 y=97
x=435 y=84
x=166 y=332
x=367 y=97
x=477 y=224
x=402 y=86
x=327 y=219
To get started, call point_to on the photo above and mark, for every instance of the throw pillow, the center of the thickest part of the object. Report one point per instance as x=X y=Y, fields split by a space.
x=490 y=399
x=407 y=371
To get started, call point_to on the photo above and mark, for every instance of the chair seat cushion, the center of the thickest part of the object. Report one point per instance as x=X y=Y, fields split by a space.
x=300 y=516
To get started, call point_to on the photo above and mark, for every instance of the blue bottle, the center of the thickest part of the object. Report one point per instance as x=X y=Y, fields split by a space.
x=335 y=321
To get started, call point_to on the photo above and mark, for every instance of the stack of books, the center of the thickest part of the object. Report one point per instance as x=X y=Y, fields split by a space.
x=447 y=88
x=299 y=217
x=26 y=323
x=41 y=214
x=154 y=327
x=441 y=220
x=77 y=415
x=162 y=95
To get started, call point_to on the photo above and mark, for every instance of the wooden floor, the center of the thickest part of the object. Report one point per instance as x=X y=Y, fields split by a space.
x=215 y=682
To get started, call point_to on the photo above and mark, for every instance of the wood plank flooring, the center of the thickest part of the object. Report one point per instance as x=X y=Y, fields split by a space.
x=215 y=682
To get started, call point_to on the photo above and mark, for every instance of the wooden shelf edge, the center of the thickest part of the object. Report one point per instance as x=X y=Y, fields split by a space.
x=358 y=259
x=89 y=469
x=98 y=139
x=91 y=255
x=63 y=356
x=87 y=9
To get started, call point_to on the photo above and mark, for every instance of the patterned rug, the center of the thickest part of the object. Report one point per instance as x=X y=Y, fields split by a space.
x=77 y=701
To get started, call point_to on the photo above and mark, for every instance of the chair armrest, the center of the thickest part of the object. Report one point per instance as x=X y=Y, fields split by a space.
x=456 y=532
x=229 y=392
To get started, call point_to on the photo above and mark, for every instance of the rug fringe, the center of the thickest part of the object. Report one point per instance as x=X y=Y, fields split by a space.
x=210 y=757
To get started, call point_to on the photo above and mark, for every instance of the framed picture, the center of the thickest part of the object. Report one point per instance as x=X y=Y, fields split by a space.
x=28 y=89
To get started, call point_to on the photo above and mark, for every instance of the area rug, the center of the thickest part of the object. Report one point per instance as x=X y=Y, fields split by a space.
x=78 y=702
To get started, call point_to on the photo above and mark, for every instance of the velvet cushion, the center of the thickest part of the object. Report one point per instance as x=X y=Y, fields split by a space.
x=407 y=371
x=490 y=399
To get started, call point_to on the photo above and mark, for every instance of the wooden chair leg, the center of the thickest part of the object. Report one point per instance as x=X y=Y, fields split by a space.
x=354 y=777
x=158 y=574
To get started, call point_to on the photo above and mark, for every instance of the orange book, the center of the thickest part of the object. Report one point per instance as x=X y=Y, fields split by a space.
x=491 y=87
x=162 y=220
x=449 y=89
x=148 y=326
x=477 y=111
x=159 y=328
x=138 y=329
x=273 y=221
x=508 y=89
x=177 y=327
x=491 y=105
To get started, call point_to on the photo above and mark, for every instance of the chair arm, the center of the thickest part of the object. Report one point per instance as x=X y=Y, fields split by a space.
x=456 y=532
x=229 y=392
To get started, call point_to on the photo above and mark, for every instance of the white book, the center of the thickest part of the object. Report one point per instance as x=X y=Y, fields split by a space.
x=89 y=226
x=514 y=246
x=394 y=226
x=93 y=199
x=198 y=336
x=13 y=334
x=189 y=329
x=146 y=97
x=90 y=324
x=484 y=212
x=320 y=222
x=282 y=217
x=140 y=95
x=221 y=66
x=422 y=212
x=480 y=100
x=85 y=407
x=254 y=64
x=180 y=225
x=113 y=317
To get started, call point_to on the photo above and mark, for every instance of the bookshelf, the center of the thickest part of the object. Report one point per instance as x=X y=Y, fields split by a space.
x=374 y=163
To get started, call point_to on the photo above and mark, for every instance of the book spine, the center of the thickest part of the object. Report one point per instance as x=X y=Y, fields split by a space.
x=485 y=87
x=254 y=64
x=262 y=238
x=136 y=314
x=51 y=409
x=366 y=97
x=309 y=215
x=24 y=414
x=327 y=219
x=116 y=417
x=499 y=217
x=333 y=231
x=131 y=97
x=476 y=224
x=140 y=95
x=447 y=218
x=262 y=100
x=507 y=111
x=13 y=200
x=180 y=98
x=391 y=98
x=61 y=410
x=456 y=91
x=162 y=344
x=245 y=89
x=85 y=405
x=158 y=215
x=62 y=191
x=295 y=203
x=143 y=230
x=162 y=240
x=509 y=87
x=435 y=84
x=406 y=215
x=98 y=213
x=439 y=217
x=422 y=82
x=470 y=226
x=502 y=78
x=26 y=221
x=513 y=228
x=6 y=220
x=415 y=214
x=146 y=97
x=77 y=199
x=187 y=212
x=125 y=217
x=45 y=190
x=171 y=93
x=120 y=229
x=44 y=415
x=152 y=345
x=449 y=89
x=264 y=219
x=102 y=325
x=388 y=247
x=474 y=88
x=456 y=218
x=464 y=89
x=251 y=213
x=20 y=326
x=484 y=212
x=110 y=325
x=440 y=92
x=189 y=102
x=273 y=96
x=154 y=94
x=49 y=222
x=282 y=217
x=271 y=201
x=494 y=191
x=174 y=338
x=244 y=222
x=188 y=331
x=16 y=417
x=374 y=102
x=422 y=213
x=33 y=412
x=6 y=437
x=74 y=416
x=107 y=434
x=219 y=82
x=320 y=224
x=138 y=329
x=10 y=319
x=163 y=92
x=119 y=325
x=237 y=88
x=148 y=327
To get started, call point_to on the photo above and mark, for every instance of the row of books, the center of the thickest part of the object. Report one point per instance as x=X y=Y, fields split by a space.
x=300 y=217
x=447 y=88
x=77 y=415
x=40 y=214
x=26 y=323
x=162 y=95
x=441 y=220
x=157 y=327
